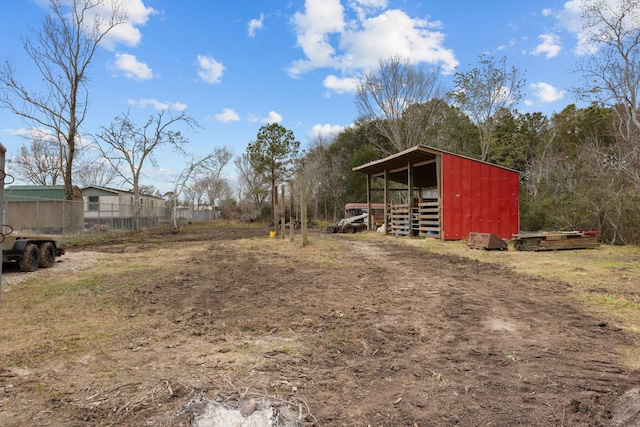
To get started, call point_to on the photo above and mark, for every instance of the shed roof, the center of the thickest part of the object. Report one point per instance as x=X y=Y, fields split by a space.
x=41 y=192
x=414 y=155
x=417 y=155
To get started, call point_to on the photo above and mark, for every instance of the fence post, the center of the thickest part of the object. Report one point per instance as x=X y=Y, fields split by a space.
x=292 y=196
x=303 y=210
x=283 y=211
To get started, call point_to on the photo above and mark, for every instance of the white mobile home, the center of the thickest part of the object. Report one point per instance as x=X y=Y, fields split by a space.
x=111 y=208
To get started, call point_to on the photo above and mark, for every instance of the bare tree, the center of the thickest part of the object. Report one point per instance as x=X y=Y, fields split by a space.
x=196 y=191
x=312 y=167
x=62 y=50
x=484 y=91
x=38 y=163
x=212 y=173
x=251 y=182
x=93 y=170
x=207 y=165
x=123 y=142
x=611 y=76
x=385 y=95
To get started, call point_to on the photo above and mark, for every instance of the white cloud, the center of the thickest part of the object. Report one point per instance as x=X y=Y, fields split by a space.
x=321 y=19
x=571 y=16
x=325 y=131
x=254 y=25
x=546 y=93
x=227 y=115
x=132 y=68
x=210 y=70
x=127 y=33
x=364 y=7
x=546 y=12
x=45 y=135
x=340 y=85
x=330 y=38
x=380 y=4
x=158 y=105
x=41 y=134
x=272 y=118
x=550 y=46
x=511 y=44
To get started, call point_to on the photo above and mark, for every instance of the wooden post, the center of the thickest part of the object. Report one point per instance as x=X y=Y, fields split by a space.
x=303 y=209
x=370 y=217
x=292 y=196
x=274 y=208
x=410 y=195
x=283 y=212
x=387 y=208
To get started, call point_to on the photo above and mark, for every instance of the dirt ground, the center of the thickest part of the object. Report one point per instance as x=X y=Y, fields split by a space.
x=345 y=332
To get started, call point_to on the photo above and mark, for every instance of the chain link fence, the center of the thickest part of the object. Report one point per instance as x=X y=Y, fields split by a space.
x=76 y=217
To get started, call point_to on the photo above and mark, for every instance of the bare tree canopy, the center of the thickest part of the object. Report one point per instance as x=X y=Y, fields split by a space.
x=62 y=50
x=610 y=75
x=209 y=165
x=211 y=175
x=486 y=90
x=125 y=143
x=38 y=163
x=94 y=170
x=385 y=95
x=252 y=184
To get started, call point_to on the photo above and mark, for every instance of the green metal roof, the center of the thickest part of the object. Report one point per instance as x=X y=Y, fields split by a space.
x=16 y=193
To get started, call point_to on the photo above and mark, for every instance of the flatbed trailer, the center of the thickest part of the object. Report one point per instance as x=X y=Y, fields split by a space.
x=30 y=252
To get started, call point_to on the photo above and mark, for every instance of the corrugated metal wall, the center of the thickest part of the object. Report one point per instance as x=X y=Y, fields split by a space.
x=478 y=197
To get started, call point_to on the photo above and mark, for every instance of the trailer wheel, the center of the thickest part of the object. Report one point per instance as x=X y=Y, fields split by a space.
x=47 y=254
x=30 y=258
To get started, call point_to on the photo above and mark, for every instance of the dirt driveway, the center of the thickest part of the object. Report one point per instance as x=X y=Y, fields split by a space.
x=347 y=332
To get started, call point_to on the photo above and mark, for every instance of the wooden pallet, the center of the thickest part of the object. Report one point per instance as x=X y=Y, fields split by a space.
x=555 y=241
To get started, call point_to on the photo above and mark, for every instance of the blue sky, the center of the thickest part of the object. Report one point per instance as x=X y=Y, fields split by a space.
x=237 y=65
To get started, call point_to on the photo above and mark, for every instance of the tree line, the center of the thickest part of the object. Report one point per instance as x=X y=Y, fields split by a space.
x=579 y=168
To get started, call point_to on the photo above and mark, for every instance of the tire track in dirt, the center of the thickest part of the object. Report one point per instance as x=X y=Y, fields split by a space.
x=507 y=345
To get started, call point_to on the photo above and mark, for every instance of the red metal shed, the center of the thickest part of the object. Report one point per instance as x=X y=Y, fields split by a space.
x=446 y=195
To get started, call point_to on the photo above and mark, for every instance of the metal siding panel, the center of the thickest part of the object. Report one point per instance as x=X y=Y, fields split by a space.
x=453 y=229
x=488 y=198
x=478 y=197
x=498 y=205
x=466 y=173
x=461 y=207
x=474 y=197
x=514 y=196
x=450 y=197
x=445 y=191
x=508 y=207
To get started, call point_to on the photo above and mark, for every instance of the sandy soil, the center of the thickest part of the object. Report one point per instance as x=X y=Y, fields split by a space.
x=346 y=332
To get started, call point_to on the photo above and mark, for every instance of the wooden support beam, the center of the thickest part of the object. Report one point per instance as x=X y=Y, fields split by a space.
x=386 y=201
x=426 y=162
x=370 y=216
x=410 y=195
x=439 y=188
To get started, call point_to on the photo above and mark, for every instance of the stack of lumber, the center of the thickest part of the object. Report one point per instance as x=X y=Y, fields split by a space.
x=555 y=241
